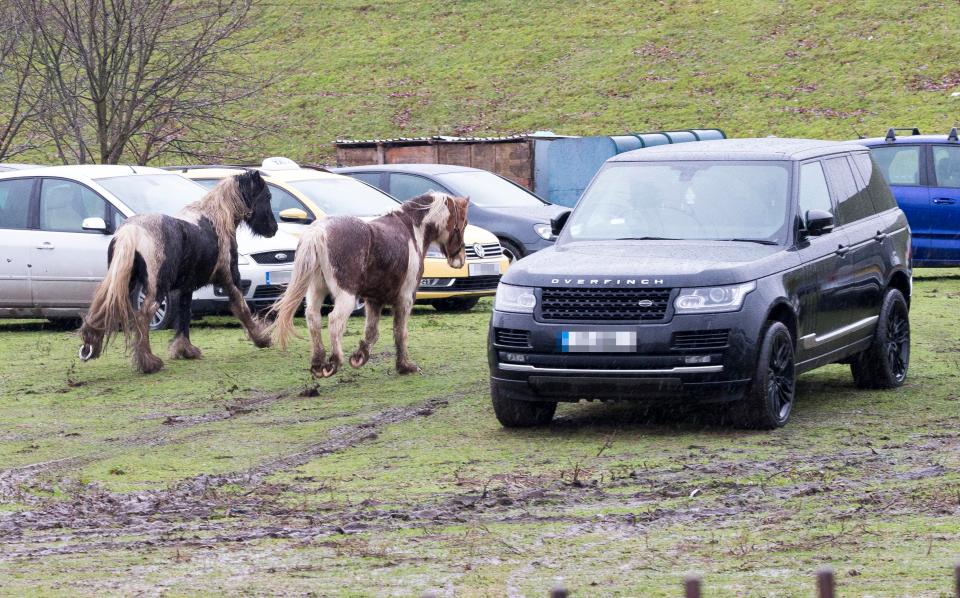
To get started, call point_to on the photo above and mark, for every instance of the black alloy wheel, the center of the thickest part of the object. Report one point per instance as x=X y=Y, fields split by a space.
x=886 y=362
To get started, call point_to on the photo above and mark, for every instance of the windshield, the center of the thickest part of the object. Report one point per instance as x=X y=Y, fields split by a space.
x=488 y=190
x=153 y=193
x=685 y=200
x=346 y=196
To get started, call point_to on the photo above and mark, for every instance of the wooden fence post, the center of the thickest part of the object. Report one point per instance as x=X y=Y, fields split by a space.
x=825 y=582
x=691 y=586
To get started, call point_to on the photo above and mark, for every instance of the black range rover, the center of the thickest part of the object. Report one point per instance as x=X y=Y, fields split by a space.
x=712 y=271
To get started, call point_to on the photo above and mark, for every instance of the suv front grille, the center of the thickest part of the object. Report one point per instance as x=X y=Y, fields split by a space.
x=604 y=304
x=508 y=337
x=273 y=257
x=489 y=250
x=701 y=339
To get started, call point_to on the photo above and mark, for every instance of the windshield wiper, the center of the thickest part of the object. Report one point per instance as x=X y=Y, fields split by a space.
x=760 y=241
x=647 y=239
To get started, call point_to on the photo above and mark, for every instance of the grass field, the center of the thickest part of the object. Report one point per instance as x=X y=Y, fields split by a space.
x=360 y=69
x=238 y=473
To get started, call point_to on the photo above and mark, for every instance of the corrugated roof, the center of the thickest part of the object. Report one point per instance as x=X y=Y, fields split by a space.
x=429 y=140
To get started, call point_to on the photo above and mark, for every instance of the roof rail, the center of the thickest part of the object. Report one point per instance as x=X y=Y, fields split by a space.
x=205 y=166
x=892 y=136
x=952 y=136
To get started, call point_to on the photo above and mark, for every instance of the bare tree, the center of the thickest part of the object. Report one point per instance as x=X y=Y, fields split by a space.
x=19 y=98
x=140 y=78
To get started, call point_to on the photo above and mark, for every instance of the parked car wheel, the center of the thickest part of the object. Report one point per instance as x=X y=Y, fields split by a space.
x=511 y=250
x=769 y=399
x=884 y=364
x=455 y=304
x=514 y=413
x=163 y=317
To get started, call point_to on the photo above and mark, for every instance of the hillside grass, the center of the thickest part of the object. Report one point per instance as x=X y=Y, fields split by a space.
x=820 y=69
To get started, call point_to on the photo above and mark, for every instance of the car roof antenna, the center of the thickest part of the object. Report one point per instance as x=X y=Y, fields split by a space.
x=859 y=136
x=953 y=135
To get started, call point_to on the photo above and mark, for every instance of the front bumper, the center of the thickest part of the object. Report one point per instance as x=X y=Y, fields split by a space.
x=261 y=284
x=662 y=366
x=463 y=284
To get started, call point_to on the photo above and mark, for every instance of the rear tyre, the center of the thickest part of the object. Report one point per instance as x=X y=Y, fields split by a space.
x=884 y=364
x=769 y=399
x=163 y=317
x=455 y=304
x=514 y=413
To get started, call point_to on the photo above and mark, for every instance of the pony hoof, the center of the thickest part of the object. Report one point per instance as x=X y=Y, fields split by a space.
x=86 y=352
x=150 y=364
x=410 y=368
x=358 y=359
x=262 y=342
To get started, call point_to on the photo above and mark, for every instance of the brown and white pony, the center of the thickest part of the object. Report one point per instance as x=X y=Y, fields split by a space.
x=161 y=253
x=380 y=261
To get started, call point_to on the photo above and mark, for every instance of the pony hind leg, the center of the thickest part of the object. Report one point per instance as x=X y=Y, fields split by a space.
x=343 y=305
x=143 y=358
x=371 y=332
x=315 y=296
x=401 y=315
x=180 y=346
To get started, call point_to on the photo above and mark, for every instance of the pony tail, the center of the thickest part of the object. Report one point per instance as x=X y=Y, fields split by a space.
x=111 y=308
x=306 y=265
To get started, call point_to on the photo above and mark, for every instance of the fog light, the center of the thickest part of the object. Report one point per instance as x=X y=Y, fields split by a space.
x=514 y=357
x=691 y=359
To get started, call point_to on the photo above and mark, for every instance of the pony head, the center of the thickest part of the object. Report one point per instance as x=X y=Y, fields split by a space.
x=256 y=197
x=450 y=235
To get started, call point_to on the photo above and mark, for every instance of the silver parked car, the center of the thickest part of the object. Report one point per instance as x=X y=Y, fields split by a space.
x=56 y=224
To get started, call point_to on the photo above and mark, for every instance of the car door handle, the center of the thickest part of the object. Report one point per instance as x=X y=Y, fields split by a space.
x=879 y=237
x=944 y=201
x=46 y=245
x=842 y=250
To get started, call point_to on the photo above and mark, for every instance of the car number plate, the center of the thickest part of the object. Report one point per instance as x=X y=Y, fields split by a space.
x=490 y=268
x=281 y=277
x=598 y=341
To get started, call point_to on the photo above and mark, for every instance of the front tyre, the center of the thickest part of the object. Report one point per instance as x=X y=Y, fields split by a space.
x=769 y=399
x=515 y=413
x=884 y=364
x=163 y=317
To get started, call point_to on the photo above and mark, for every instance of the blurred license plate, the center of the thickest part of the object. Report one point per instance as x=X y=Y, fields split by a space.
x=607 y=341
x=282 y=277
x=484 y=269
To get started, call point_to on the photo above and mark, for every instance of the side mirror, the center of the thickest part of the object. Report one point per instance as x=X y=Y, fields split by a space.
x=819 y=222
x=95 y=224
x=557 y=224
x=295 y=215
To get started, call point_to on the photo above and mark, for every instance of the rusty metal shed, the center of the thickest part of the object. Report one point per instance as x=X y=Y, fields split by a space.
x=510 y=157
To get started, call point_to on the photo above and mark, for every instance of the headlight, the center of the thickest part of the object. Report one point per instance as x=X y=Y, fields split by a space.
x=712 y=299
x=243 y=260
x=515 y=299
x=544 y=230
x=434 y=251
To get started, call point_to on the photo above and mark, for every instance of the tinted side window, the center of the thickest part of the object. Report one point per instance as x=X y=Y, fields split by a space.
x=65 y=204
x=876 y=186
x=813 y=194
x=852 y=203
x=370 y=178
x=281 y=199
x=15 y=203
x=407 y=186
x=899 y=164
x=946 y=165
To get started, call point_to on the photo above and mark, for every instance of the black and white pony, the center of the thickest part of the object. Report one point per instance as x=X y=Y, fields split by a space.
x=162 y=254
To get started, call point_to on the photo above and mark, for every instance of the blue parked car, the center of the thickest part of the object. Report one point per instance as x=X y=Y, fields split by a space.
x=924 y=174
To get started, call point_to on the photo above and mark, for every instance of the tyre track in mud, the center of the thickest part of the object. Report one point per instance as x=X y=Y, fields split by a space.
x=185 y=521
x=92 y=514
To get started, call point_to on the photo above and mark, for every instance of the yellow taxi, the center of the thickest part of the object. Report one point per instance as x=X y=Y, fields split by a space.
x=301 y=195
